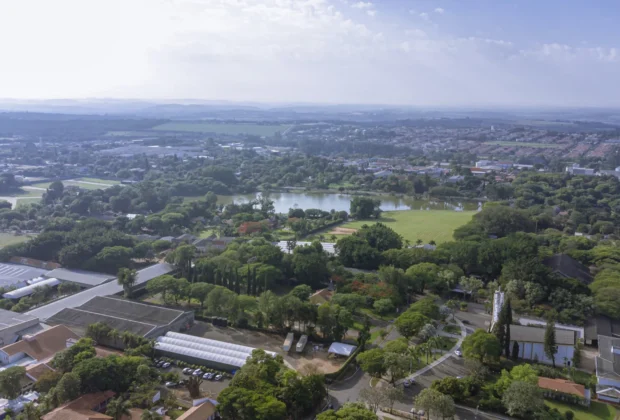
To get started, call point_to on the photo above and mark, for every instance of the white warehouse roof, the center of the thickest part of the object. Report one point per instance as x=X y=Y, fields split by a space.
x=199 y=354
x=341 y=349
x=214 y=343
x=28 y=290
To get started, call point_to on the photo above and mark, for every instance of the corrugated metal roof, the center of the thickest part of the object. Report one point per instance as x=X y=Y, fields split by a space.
x=537 y=335
x=106 y=289
x=87 y=278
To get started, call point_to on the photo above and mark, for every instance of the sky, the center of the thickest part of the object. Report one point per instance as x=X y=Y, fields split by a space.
x=399 y=52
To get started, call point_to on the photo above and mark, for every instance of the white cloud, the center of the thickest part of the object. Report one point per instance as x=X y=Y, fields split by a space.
x=439 y=10
x=282 y=50
x=362 y=5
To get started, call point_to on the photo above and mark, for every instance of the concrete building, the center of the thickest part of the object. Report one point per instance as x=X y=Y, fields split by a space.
x=608 y=369
x=14 y=325
x=17 y=275
x=574 y=169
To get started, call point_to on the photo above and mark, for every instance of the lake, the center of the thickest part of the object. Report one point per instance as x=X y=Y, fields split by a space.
x=328 y=201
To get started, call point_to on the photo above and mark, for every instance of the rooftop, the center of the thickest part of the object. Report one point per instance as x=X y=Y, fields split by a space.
x=82 y=408
x=43 y=345
x=105 y=289
x=81 y=277
x=537 y=335
x=120 y=314
x=342 y=349
x=199 y=412
x=11 y=274
x=563 y=386
x=567 y=266
x=10 y=318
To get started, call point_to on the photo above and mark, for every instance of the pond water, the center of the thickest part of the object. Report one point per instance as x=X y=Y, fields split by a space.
x=328 y=201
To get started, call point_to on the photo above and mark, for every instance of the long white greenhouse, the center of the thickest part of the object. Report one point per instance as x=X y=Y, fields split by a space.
x=203 y=351
x=28 y=290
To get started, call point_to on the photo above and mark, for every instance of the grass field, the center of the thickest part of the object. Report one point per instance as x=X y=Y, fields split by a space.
x=526 y=144
x=85 y=185
x=596 y=411
x=41 y=185
x=231 y=129
x=28 y=200
x=437 y=225
x=99 y=180
x=7 y=239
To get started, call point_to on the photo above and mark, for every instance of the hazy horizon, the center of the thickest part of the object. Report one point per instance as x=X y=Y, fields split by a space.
x=422 y=53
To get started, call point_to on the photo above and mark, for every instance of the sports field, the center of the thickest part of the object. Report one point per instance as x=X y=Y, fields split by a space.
x=434 y=225
x=224 y=128
x=526 y=144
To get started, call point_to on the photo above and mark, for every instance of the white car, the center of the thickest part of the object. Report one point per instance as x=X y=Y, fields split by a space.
x=166 y=365
x=171 y=384
x=218 y=377
x=187 y=371
x=197 y=372
x=407 y=383
x=458 y=353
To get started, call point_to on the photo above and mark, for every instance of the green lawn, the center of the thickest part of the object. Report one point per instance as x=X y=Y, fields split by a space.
x=452 y=329
x=99 y=180
x=41 y=185
x=86 y=186
x=526 y=144
x=28 y=200
x=7 y=239
x=596 y=411
x=437 y=225
x=224 y=128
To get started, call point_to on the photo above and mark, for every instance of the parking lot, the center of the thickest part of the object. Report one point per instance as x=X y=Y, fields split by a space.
x=309 y=360
x=209 y=388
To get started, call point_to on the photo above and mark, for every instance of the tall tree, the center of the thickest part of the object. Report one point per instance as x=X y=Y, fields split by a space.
x=118 y=408
x=10 y=381
x=551 y=347
x=127 y=278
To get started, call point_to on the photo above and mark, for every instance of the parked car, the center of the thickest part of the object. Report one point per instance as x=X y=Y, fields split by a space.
x=197 y=372
x=218 y=377
x=407 y=383
x=458 y=352
x=206 y=376
x=160 y=363
x=211 y=375
x=187 y=371
x=171 y=384
x=166 y=365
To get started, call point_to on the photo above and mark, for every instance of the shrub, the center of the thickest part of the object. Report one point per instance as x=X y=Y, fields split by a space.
x=569 y=415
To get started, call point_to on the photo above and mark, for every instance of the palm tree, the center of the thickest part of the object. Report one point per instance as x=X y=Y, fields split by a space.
x=415 y=352
x=435 y=342
x=127 y=278
x=432 y=242
x=149 y=415
x=118 y=408
x=418 y=242
x=334 y=238
x=426 y=349
x=407 y=243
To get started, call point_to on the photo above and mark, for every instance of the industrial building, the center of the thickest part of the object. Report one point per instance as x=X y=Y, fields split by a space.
x=106 y=289
x=80 y=277
x=30 y=289
x=13 y=325
x=17 y=275
x=144 y=319
x=203 y=351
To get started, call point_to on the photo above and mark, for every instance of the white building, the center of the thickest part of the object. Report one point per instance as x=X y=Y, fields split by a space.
x=574 y=169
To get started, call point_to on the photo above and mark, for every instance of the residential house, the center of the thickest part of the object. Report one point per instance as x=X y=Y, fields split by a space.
x=39 y=347
x=87 y=407
x=205 y=411
x=566 y=391
x=212 y=242
x=531 y=342
x=566 y=266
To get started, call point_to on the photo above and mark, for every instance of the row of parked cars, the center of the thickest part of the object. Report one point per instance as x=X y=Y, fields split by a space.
x=162 y=364
x=207 y=375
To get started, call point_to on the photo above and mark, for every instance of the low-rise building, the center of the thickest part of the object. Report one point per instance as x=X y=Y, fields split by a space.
x=13 y=325
x=37 y=348
x=87 y=407
x=531 y=342
x=563 y=390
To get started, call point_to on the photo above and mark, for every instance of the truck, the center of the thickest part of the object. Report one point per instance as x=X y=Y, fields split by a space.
x=301 y=344
x=288 y=341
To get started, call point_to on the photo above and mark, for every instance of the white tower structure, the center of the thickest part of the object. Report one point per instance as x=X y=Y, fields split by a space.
x=498 y=303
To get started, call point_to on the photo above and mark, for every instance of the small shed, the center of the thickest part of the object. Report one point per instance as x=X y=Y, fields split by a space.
x=341 y=349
